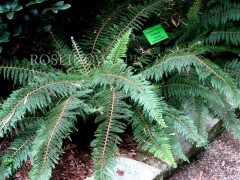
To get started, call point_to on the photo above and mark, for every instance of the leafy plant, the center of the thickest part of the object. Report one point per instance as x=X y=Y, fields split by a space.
x=169 y=99
x=15 y=14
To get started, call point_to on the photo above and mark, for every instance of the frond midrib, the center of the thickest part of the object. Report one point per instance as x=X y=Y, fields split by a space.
x=110 y=119
x=25 y=69
x=216 y=74
x=183 y=124
x=125 y=79
x=52 y=135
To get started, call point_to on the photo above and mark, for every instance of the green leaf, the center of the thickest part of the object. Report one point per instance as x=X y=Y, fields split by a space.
x=151 y=138
x=4 y=37
x=46 y=9
x=31 y=3
x=59 y=3
x=65 y=6
x=3 y=9
x=17 y=8
x=10 y=15
x=55 y=10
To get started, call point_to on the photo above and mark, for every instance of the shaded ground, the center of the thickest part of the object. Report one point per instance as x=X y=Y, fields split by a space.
x=220 y=161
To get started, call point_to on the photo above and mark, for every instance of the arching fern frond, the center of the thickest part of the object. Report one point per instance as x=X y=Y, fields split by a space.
x=120 y=48
x=220 y=14
x=213 y=26
x=102 y=29
x=47 y=145
x=135 y=16
x=182 y=124
x=193 y=13
x=231 y=36
x=231 y=122
x=181 y=87
x=82 y=64
x=204 y=67
x=23 y=101
x=65 y=54
x=24 y=72
x=197 y=111
x=233 y=69
x=140 y=90
x=151 y=138
x=18 y=151
x=193 y=21
x=113 y=111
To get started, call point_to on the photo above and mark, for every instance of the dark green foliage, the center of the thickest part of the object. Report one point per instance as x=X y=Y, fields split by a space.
x=172 y=98
x=15 y=14
x=113 y=111
x=19 y=150
x=217 y=24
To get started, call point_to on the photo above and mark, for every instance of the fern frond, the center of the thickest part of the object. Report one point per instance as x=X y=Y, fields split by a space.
x=182 y=124
x=24 y=72
x=33 y=97
x=135 y=16
x=140 y=90
x=82 y=63
x=19 y=150
x=48 y=144
x=233 y=69
x=204 y=67
x=114 y=110
x=180 y=87
x=102 y=30
x=197 y=111
x=120 y=48
x=151 y=138
x=193 y=13
x=193 y=23
x=230 y=122
x=176 y=144
x=220 y=14
x=65 y=54
x=231 y=36
x=209 y=26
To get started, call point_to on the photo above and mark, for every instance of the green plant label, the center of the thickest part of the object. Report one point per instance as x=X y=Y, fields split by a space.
x=155 y=34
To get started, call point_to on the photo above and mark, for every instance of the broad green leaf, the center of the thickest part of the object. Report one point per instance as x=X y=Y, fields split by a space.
x=65 y=6
x=10 y=15
x=59 y=3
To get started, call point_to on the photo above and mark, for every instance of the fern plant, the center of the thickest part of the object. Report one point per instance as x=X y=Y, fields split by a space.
x=170 y=99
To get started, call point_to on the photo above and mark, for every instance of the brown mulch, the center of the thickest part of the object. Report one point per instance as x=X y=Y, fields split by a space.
x=220 y=161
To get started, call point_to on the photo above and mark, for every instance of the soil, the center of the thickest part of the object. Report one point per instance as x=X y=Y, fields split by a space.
x=219 y=161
